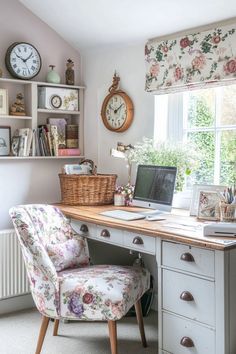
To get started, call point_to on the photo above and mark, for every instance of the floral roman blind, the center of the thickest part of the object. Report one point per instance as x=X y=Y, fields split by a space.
x=192 y=61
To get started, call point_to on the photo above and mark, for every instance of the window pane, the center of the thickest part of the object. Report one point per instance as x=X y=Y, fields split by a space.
x=228 y=114
x=204 y=145
x=228 y=157
x=201 y=108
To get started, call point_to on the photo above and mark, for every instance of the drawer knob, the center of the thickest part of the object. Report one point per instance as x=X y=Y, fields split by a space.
x=84 y=228
x=187 y=257
x=186 y=296
x=105 y=233
x=138 y=240
x=187 y=342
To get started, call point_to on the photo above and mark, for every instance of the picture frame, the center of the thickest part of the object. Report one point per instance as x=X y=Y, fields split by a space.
x=209 y=205
x=4 y=109
x=5 y=140
x=197 y=188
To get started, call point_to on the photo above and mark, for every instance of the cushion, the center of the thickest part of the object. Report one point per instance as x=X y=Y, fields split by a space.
x=101 y=292
x=69 y=254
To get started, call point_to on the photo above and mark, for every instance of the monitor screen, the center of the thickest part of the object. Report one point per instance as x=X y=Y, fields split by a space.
x=154 y=187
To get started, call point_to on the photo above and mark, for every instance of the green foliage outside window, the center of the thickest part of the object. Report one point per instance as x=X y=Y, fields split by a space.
x=180 y=156
x=200 y=114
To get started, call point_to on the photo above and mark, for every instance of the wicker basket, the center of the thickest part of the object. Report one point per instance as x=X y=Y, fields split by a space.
x=228 y=212
x=87 y=189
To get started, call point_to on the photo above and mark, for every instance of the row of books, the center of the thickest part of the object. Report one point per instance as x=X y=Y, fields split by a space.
x=46 y=140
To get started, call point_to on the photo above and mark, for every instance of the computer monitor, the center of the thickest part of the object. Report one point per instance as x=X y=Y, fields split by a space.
x=154 y=187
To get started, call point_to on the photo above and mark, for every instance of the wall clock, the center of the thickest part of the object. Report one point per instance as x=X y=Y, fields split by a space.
x=117 y=108
x=23 y=61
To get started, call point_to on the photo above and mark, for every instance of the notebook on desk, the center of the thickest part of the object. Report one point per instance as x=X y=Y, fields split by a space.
x=123 y=215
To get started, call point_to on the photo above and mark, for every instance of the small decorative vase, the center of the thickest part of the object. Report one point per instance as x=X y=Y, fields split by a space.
x=53 y=77
x=119 y=199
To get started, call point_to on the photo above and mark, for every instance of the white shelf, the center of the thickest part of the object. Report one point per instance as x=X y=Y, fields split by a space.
x=39 y=157
x=38 y=115
x=15 y=117
x=58 y=111
x=39 y=83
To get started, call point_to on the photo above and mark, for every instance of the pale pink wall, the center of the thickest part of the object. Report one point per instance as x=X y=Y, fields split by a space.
x=19 y=24
x=31 y=181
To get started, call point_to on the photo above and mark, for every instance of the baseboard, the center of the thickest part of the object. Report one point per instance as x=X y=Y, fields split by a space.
x=155 y=302
x=16 y=303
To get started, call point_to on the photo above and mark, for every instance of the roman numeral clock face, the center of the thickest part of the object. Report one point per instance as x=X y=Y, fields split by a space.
x=23 y=60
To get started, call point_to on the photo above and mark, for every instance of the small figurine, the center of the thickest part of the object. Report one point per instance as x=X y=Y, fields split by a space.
x=18 y=107
x=70 y=74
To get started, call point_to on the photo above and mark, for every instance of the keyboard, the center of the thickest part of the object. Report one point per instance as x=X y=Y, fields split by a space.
x=123 y=215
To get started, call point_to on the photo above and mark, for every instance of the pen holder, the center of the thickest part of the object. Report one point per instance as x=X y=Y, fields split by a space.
x=228 y=212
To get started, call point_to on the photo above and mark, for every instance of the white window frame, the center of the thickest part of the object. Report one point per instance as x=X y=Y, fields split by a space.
x=171 y=123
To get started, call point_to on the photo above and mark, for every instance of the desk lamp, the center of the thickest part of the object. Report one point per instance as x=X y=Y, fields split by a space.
x=122 y=151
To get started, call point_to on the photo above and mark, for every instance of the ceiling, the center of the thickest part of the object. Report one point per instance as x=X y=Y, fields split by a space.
x=89 y=24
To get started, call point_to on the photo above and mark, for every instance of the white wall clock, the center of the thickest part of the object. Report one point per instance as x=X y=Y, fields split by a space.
x=23 y=60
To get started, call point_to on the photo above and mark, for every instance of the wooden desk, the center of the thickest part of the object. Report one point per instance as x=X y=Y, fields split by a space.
x=196 y=276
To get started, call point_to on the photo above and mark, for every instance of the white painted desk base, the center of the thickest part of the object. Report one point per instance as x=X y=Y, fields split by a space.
x=211 y=279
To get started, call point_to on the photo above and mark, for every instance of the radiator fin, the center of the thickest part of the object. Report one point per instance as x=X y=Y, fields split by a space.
x=13 y=277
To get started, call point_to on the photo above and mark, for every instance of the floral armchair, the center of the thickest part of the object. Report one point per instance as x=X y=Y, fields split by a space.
x=63 y=283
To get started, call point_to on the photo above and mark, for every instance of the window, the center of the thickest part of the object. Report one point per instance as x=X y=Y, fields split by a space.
x=206 y=119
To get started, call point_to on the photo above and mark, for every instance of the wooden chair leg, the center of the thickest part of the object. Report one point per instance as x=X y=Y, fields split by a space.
x=139 y=315
x=55 y=329
x=113 y=336
x=43 y=330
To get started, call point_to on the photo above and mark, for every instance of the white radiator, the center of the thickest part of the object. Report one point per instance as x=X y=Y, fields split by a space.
x=13 y=278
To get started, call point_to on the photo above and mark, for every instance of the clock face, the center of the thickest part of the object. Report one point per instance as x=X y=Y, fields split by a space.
x=117 y=111
x=56 y=101
x=23 y=60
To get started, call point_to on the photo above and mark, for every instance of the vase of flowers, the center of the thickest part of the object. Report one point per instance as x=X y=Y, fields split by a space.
x=124 y=195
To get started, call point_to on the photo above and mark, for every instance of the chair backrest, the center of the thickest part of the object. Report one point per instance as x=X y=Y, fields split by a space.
x=37 y=226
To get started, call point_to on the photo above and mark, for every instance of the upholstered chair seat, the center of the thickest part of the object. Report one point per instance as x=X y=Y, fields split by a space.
x=63 y=283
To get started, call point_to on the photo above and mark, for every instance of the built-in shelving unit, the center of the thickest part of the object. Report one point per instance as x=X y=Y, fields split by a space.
x=37 y=116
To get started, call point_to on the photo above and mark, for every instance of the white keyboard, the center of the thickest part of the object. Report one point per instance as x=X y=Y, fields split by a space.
x=123 y=215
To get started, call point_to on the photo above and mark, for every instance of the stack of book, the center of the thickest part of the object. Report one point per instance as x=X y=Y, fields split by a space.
x=57 y=138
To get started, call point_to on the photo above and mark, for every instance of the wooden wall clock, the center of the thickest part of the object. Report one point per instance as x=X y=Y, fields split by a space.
x=117 y=108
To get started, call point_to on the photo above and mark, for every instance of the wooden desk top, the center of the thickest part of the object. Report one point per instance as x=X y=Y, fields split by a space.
x=178 y=226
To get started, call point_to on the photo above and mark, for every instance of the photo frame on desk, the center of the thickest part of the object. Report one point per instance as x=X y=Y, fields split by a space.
x=4 y=109
x=209 y=205
x=197 y=188
x=5 y=140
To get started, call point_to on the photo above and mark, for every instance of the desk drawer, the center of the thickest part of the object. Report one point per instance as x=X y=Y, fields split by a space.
x=189 y=296
x=84 y=228
x=195 y=338
x=187 y=258
x=140 y=242
x=110 y=235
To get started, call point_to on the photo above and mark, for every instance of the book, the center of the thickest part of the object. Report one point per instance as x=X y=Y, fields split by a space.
x=72 y=132
x=69 y=152
x=54 y=135
x=25 y=135
x=61 y=130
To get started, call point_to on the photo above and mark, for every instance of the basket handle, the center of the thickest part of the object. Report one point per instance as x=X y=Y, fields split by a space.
x=93 y=166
